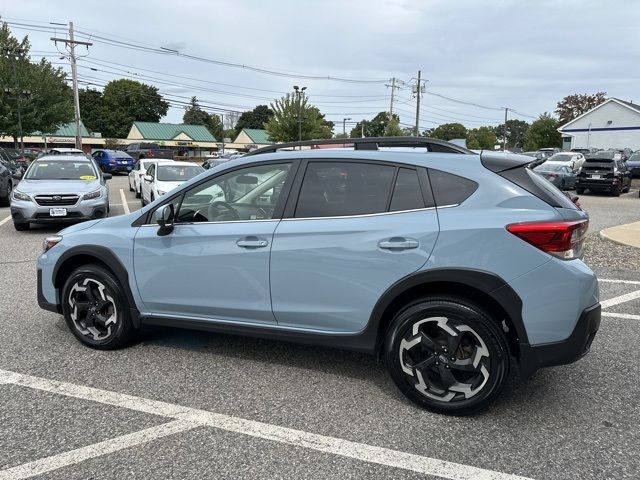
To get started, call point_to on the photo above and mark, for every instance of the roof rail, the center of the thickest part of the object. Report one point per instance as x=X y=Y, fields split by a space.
x=369 y=143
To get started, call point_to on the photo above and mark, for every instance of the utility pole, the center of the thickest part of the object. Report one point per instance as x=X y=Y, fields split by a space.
x=344 y=125
x=13 y=53
x=71 y=43
x=418 y=92
x=393 y=91
x=504 y=133
x=299 y=93
x=222 y=121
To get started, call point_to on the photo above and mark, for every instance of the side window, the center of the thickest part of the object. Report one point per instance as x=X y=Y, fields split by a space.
x=407 y=194
x=251 y=193
x=151 y=170
x=449 y=189
x=331 y=189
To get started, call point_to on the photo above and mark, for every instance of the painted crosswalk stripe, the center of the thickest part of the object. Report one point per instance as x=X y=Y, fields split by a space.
x=65 y=459
x=298 y=438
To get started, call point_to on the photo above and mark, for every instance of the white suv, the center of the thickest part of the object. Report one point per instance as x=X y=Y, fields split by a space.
x=163 y=176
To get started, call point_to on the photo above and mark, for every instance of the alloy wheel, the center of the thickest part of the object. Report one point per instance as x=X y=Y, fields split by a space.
x=92 y=309
x=445 y=359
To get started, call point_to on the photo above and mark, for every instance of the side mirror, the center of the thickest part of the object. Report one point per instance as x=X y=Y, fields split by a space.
x=164 y=217
x=148 y=178
x=17 y=176
x=107 y=176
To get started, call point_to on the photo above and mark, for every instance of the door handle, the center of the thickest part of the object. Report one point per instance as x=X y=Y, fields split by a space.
x=398 y=243
x=252 y=242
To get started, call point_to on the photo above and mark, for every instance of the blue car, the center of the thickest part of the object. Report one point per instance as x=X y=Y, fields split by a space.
x=450 y=266
x=113 y=161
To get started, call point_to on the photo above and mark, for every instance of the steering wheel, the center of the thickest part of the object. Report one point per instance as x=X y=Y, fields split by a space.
x=228 y=213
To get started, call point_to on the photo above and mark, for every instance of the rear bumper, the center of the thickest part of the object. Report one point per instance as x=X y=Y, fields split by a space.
x=567 y=351
x=597 y=184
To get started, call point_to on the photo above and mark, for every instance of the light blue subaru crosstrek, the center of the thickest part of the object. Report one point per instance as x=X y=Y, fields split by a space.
x=449 y=265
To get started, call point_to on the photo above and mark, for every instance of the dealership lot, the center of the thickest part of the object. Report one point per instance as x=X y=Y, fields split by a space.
x=183 y=404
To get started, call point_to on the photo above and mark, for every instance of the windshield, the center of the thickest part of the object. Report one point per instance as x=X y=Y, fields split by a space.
x=635 y=157
x=177 y=173
x=61 y=170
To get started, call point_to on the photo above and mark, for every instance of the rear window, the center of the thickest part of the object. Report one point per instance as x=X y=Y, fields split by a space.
x=599 y=160
x=332 y=189
x=407 y=194
x=449 y=189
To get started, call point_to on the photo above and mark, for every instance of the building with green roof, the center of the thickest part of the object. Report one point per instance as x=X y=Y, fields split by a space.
x=253 y=136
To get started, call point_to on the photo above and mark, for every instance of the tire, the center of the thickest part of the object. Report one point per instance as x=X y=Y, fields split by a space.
x=418 y=335
x=563 y=185
x=21 y=226
x=138 y=193
x=616 y=192
x=6 y=201
x=96 y=309
x=579 y=190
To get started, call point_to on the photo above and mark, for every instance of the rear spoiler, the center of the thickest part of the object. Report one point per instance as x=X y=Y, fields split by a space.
x=500 y=162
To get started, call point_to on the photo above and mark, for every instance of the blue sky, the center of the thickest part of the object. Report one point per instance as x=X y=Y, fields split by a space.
x=525 y=55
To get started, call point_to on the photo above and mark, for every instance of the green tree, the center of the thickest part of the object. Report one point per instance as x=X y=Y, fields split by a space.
x=516 y=129
x=284 y=124
x=91 y=109
x=256 y=118
x=45 y=98
x=126 y=101
x=573 y=106
x=214 y=125
x=543 y=133
x=481 y=138
x=194 y=115
x=447 y=131
x=379 y=126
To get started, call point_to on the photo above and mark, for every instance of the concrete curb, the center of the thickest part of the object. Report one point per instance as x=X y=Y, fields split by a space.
x=628 y=234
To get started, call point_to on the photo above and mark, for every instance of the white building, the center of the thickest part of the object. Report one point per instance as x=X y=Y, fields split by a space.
x=612 y=124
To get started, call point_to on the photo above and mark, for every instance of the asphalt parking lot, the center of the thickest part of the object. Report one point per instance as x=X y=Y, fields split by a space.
x=181 y=404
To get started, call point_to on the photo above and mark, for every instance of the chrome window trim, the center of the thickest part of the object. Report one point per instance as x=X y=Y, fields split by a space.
x=216 y=223
x=361 y=215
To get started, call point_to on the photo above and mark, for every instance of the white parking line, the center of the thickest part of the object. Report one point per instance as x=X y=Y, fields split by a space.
x=627 y=297
x=613 y=280
x=289 y=436
x=125 y=205
x=627 y=316
x=44 y=465
x=5 y=220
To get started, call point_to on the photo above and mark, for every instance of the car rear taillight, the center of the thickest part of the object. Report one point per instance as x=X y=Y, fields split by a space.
x=150 y=153
x=561 y=239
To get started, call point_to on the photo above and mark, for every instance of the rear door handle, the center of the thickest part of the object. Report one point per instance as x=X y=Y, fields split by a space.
x=252 y=242
x=399 y=243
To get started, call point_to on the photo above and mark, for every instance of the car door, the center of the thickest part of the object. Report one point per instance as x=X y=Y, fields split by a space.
x=145 y=184
x=214 y=265
x=356 y=228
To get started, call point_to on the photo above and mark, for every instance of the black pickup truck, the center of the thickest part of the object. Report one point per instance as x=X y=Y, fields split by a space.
x=148 y=150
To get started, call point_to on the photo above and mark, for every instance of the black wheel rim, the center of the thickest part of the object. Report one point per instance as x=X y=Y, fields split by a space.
x=92 y=309
x=445 y=359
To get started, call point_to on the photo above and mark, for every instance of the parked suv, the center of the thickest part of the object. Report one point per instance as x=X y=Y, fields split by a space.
x=604 y=171
x=450 y=266
x=60 y=189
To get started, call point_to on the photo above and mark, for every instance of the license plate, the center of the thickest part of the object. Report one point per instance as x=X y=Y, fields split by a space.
x=597 y=177
x=58 y=212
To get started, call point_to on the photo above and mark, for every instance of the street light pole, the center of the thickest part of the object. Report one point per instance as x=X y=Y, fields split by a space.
x=344 y=125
